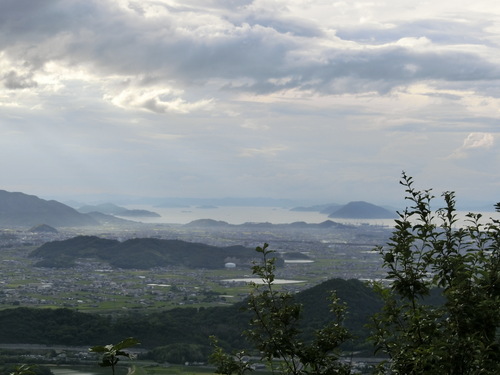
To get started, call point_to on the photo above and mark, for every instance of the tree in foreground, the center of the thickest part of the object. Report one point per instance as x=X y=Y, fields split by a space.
x=274 y=332
x=111 y=354
x=431 y=253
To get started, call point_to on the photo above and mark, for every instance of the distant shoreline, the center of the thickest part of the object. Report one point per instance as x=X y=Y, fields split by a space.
x=272 y=215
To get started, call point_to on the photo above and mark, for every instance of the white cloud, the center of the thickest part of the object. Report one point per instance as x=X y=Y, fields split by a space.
x=478 y=140
x=270 y=151
x=159 y=100
x=275 y=49
x=472 y=144
x=249 y=124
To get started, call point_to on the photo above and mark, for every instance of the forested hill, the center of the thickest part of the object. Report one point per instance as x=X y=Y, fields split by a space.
x=140 y=253
x=361 y=300
x=182 y=325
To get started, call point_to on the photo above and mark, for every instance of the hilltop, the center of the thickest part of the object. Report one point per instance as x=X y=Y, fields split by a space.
x=362 y=210
x=43 y=228
x=351 y=210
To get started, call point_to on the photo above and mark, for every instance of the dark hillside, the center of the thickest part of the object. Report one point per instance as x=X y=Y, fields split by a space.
x=181 y=325
x=141 y=253
x=361 y=302
x=46 y=326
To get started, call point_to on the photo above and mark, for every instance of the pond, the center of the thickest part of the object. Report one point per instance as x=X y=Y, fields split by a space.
x=86 y=370
x=259 y=281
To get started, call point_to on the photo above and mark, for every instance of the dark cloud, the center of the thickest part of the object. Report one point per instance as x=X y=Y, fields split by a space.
x=23 y=20
x=13 y=80
x=383 y=69
x=113 y=40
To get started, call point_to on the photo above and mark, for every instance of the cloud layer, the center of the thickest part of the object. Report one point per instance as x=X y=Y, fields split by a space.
x=299 y=99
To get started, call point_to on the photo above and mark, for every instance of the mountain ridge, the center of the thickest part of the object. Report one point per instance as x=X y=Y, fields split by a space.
x=20 y=209
x=211 y=223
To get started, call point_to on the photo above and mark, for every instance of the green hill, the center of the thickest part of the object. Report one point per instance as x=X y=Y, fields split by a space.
x=181 y=325
x=140 y=253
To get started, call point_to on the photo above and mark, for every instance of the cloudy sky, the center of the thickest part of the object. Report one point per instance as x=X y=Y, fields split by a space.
x=303 y=99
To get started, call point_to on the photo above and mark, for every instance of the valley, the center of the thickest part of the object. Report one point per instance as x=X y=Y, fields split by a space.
x=344 y=251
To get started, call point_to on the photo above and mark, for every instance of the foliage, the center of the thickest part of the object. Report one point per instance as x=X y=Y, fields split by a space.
x=110 y=354
x=275 y=331
x=47 y=326
x=363 y=302
x=179 y=353
x=429 y=250
x=227 y=364
x=25 y=369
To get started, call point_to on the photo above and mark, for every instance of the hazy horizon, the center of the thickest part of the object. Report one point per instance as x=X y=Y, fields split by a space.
x=206 y=204
x=312 y=101
x=77 y=201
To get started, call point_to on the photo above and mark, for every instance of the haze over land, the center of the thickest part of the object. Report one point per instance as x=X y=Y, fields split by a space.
x=322 y=101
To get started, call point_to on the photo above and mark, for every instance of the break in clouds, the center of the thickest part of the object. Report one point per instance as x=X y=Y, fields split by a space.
x=304 y=97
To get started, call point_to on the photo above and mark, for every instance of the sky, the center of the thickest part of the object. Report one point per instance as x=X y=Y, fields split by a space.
x=310 y=100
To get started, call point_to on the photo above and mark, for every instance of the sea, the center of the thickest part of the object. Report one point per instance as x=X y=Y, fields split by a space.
x=241 y=215
x=273 y=215
x=79 y=370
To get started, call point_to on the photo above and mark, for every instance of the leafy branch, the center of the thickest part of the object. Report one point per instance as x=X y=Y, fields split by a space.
x=441 y=295
x=111 y=354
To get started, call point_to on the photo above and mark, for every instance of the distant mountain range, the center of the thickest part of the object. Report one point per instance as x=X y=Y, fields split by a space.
x=351 y=210
x=19 y=209
x=221 y=202
x=113 y=209
x=210 y=223
x=141 y=253
x=23 y=210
